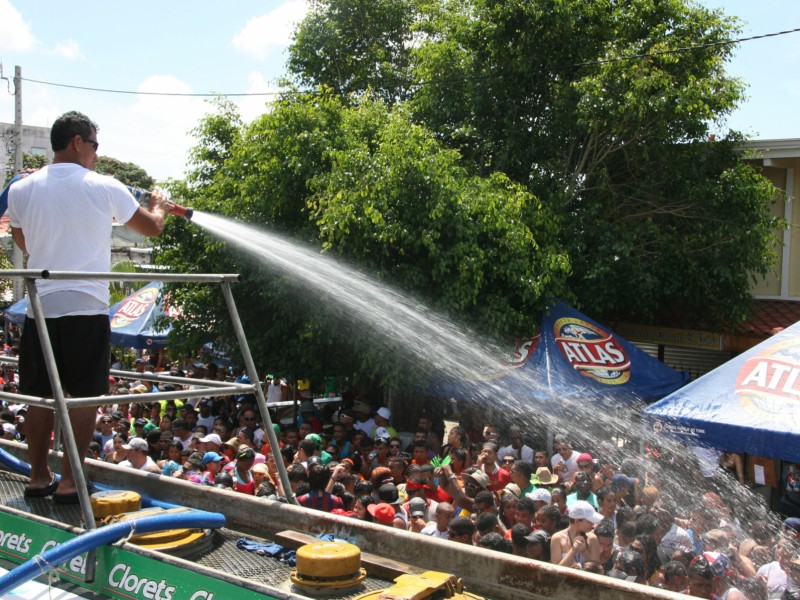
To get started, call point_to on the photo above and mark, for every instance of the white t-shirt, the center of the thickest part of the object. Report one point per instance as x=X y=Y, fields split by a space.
x=65 y=212
x=433 y=532
x=367 y=426
x=776 y=578
x=524 y=453
x=149 y=465
x=571 y=463
x=274 y=393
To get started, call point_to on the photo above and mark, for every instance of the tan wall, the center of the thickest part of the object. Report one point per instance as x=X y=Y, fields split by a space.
x=771 y=284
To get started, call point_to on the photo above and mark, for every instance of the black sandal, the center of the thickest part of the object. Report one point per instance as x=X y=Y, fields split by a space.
x=43 y=492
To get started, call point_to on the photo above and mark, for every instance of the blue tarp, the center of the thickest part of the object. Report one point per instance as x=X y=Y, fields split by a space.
x=751 y=404
x=133 y=320
x=577 y=359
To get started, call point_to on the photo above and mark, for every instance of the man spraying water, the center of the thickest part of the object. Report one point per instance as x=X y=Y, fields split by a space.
x=61 y=216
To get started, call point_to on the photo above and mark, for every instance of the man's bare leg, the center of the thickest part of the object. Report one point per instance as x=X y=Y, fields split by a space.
x=39 y=422
x=84 y=421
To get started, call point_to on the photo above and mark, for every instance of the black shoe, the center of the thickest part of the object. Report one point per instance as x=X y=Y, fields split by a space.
x=71 y=498
x=42 y=492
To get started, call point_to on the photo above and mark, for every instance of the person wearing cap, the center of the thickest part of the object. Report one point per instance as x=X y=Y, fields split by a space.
x=382 y=513
x=537 y=544
x=364 y=422
x=389 y=494
x=137 y=456
x=516 y=447
x=380 y=455
x=347 y=417
x=213 y=463
x=474 y=481
x=417 y=488
x=540 y=497
x=587 y=464
x=181 y=432
x=417 y=514
x=210 y=443
x=382 y=419
x=577 y=543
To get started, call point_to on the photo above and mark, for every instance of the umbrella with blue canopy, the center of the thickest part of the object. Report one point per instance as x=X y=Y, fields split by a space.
x=133 y=320
x=751 y=404
x=575 y=357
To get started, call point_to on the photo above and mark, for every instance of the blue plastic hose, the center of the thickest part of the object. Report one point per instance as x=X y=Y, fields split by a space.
x=46 y=561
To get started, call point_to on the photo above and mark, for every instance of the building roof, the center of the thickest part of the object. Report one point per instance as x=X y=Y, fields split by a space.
x=770 y=317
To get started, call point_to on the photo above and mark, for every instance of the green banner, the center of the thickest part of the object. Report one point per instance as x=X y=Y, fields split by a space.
x=119 y=573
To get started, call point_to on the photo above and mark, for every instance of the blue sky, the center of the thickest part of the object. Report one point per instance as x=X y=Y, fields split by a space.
x=207 y=46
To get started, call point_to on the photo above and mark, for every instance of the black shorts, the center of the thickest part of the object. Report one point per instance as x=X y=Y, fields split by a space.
x=81 y=346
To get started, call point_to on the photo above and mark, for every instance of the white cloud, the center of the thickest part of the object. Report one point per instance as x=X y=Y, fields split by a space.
x=272 y=30
x=153 y=132
x=251 y=107
x=68 y=49
x=15 y=33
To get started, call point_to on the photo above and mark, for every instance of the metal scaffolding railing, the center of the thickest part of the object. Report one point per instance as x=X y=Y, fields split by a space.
x=200 y=387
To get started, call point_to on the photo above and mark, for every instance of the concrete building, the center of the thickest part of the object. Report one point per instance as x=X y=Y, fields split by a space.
x=35 y=140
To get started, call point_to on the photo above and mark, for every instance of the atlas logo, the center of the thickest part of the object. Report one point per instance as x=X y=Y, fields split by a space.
x=592 y=351
x=136 y=306
x=768 y=384
x=523 y=350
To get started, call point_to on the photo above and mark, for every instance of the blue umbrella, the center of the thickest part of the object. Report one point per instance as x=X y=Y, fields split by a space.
x=133 y=320
x=751 y=404
x=574 y=357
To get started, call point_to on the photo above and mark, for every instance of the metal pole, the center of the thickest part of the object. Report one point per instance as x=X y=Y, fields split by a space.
x=262 y=402
x=62 y=414
x=16 y=251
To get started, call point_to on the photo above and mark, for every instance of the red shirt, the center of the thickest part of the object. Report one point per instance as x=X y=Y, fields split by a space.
x=499 y=479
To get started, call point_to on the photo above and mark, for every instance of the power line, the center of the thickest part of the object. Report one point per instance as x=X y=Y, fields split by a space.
x=422 y=83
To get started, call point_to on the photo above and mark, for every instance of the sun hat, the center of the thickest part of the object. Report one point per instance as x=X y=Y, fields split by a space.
x=545 y=477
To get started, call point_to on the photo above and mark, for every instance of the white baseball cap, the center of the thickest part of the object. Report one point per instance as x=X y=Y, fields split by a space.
x=580 y=509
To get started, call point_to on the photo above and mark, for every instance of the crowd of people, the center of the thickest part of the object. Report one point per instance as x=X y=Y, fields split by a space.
x=603 y=509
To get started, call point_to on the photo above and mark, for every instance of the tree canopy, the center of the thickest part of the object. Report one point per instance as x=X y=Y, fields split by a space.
x=489 y=157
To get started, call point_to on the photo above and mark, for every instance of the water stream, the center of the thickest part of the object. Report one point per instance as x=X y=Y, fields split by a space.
x=456 y=353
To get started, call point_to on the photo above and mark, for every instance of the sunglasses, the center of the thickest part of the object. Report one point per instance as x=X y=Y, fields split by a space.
x=508 y=460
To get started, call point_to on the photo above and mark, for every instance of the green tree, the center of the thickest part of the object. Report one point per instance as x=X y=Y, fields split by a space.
x=29 y=161
x=128 y=173
x=365 y=183
x=599 y=109
x=350 y=47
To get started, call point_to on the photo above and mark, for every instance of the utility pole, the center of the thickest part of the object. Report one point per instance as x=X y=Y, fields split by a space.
x=16 y=253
